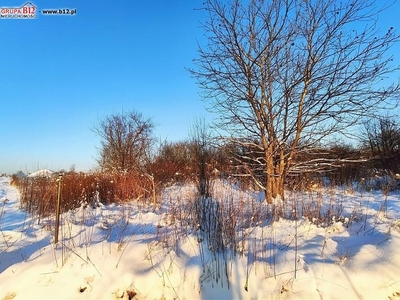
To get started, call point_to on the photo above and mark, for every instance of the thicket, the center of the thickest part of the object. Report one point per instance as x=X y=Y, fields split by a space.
x=175 y=165
x=39 y=194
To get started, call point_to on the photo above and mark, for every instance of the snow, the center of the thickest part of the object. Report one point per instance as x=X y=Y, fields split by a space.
x=129 y=251
x=41 y=173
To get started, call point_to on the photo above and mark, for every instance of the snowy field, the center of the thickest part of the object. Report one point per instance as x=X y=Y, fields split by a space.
x=129 y=251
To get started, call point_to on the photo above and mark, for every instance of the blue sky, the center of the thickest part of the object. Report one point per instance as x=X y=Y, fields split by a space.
x=60 y=75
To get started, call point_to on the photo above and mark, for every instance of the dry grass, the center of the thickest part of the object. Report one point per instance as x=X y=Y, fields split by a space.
x=39 y=194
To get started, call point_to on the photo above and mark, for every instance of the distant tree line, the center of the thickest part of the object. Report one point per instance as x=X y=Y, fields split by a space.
x=204 y=156
x=141 y=172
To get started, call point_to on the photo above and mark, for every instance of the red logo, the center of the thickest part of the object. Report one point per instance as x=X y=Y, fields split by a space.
x=27 y=11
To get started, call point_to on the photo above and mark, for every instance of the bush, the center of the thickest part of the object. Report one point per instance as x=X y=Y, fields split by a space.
x=39 y=194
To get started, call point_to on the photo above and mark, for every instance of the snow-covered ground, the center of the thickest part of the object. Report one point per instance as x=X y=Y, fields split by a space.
x=128 y=251
x=41 y=173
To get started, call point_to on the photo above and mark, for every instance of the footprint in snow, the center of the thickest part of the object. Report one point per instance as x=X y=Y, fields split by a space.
x=394 y=296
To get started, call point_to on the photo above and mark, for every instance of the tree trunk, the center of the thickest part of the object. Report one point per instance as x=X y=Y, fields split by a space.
x=275 y=179
x=274 y=188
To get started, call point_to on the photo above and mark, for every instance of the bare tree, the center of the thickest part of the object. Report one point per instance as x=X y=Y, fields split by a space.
x=126 y=142
x=286 y=74
x=382 y=137
x=201 y=148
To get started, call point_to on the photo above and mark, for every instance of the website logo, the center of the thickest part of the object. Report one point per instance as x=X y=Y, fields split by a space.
x=29 y=11
x=26 y=11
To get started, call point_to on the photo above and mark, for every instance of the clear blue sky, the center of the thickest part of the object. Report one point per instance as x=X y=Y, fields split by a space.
x=60 y=75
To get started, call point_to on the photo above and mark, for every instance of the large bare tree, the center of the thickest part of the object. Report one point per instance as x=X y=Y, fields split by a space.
x=126 y=141
x=286 y=74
